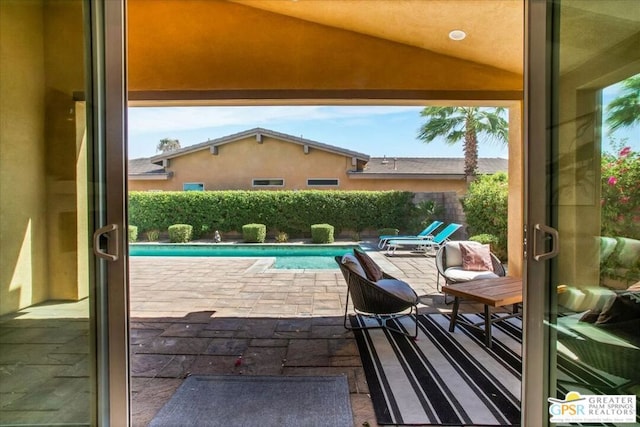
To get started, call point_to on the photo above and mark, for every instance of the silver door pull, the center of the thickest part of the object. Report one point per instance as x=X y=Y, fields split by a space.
x=555 y=249
x=104 y=232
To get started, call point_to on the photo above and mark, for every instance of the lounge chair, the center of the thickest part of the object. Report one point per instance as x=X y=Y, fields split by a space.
x=427 y=233
x=451 y=265
x=424 y=244
x=378 y=301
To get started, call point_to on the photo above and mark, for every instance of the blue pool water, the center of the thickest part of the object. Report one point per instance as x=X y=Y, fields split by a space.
x=287 y=256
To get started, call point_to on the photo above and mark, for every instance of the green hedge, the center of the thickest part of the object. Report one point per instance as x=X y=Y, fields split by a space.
x=133 y=233
x=254 y=233
x=485 y=206
x=180 y=233
x=388 y=232
x=322 y=233
x=292 y=212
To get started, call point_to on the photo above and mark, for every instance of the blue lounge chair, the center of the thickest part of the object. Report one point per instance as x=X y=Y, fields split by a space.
x=423 y=244
x=427 y=233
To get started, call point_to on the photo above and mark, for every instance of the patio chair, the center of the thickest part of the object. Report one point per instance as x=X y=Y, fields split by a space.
x=384 y=300
x=424 y=244
x=451 y=266
x=427 y=233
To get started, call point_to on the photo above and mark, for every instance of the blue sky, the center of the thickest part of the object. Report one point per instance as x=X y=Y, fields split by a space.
x=373 y=130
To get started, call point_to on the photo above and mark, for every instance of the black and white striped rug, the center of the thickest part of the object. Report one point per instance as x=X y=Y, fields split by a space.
x=443 y=378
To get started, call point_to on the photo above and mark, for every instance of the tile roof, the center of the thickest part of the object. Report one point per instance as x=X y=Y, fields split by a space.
x=431 y=165
x=403 y=166
x=143 y=166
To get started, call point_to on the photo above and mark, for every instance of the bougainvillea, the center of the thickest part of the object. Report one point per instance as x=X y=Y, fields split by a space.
x=621 y=194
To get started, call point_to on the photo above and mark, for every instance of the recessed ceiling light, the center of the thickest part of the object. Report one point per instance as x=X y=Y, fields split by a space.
x=457 y=35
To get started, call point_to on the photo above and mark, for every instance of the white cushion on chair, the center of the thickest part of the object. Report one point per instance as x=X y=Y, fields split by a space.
x=354 y=265
x=399 y=288
x=458 y=274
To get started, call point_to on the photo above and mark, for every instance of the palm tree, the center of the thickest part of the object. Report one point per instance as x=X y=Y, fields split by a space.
x=168 y=144
x=465 y=123
x=624 y=111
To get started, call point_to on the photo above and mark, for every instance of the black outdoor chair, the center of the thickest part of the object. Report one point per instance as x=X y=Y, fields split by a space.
x=385 y=300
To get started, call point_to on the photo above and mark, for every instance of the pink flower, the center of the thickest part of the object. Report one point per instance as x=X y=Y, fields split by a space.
x=625 y=152
x=624 y=199
x=612 y=180
x=602 y=202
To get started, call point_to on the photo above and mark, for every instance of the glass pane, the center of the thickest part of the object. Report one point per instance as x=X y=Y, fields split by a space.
x=595 y=312
x=47 y=352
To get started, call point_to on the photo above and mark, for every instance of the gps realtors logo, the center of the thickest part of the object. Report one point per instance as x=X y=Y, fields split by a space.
x=576 y=408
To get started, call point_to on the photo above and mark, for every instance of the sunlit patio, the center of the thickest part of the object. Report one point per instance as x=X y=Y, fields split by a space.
x=215 y=316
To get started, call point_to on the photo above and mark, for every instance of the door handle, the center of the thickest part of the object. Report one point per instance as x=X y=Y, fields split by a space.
x=97 y=238
x=545 y=230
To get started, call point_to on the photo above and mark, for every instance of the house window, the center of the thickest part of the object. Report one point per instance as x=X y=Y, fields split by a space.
x=271 y=182
x=322 y=182
x=193 y=186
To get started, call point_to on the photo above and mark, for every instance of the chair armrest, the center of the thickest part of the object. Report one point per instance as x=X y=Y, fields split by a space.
x=498 y=268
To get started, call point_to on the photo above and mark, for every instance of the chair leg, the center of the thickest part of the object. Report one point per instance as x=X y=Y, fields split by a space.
x=439 y=289
x=382 y=322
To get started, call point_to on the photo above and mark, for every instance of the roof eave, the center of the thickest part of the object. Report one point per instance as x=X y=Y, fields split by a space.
x=150 y=176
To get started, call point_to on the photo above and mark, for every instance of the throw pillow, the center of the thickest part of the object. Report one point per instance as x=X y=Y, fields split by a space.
x=353 y=264
x=476 y=257
x=372 y=270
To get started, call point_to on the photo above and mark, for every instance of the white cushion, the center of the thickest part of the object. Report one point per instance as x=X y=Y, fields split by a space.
x=353 y=264
x=458 y=274
x=596 y=298
x=573 y=299
x=399 y=288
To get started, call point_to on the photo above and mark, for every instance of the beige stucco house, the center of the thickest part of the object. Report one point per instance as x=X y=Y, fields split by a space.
x=276 y=161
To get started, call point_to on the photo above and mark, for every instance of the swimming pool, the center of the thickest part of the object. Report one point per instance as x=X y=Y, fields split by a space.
x=286 y=256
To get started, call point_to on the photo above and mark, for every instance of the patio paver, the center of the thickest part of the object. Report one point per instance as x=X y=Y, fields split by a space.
x=279 y=322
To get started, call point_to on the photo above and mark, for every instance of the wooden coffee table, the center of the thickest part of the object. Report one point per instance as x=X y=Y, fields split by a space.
x=496 y=292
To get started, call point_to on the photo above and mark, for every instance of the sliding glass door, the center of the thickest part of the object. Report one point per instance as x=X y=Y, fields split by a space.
x=583 y=212
x=61 y=349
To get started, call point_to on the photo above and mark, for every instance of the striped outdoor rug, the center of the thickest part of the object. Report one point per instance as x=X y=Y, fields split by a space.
x=443 y=378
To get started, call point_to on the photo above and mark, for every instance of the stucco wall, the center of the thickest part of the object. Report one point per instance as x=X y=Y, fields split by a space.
x=41 y=66
x=238 y=163
x=64 y=75
x=202 y=45
x=23 y=231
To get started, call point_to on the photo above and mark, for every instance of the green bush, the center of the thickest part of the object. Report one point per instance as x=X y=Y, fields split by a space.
x=133 y=233
x=485 y=206
x=322 y=233
x=153 y=235
x=388 y=232
x=254 y=233
x=290 y=211
x=180 y=233
x=493 y=242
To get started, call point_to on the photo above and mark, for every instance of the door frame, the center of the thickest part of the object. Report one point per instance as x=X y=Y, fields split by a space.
x=535 y=350
x=107 y=96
